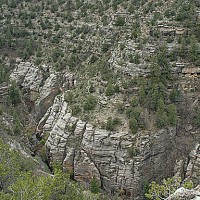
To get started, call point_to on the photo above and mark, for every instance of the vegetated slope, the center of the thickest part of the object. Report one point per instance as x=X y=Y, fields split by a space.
x=133 y=68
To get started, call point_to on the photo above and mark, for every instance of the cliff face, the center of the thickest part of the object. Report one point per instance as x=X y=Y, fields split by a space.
x=113 y=92
x=121 y=162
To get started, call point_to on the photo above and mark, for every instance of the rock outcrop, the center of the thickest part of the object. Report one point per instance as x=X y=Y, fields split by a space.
x=185 y=194
x=40 y=85
x=120 y=161
x=193 y=167
x=189 y=169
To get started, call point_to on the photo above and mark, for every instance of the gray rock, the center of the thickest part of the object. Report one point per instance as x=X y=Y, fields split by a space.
x=185 y=194
x=86 y=152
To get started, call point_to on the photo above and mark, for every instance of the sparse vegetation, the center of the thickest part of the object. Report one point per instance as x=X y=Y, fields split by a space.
x=134 y=67
x=90 y=103
x=168 y=187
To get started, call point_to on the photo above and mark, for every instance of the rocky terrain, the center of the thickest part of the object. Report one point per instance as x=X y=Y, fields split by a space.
x=108 y=89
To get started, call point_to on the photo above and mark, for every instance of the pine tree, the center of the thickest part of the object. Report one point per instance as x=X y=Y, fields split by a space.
x=110 y=89
x=14 y=94
x=133 y=125
x=172 y=115
x=161 y=115
x=94 y=186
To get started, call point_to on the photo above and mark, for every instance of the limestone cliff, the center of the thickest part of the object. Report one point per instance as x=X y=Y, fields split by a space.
x=121 y=162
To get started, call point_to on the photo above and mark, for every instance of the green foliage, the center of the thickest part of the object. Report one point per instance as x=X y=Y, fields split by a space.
x=154 y=96
x=155 y=73
x=76 y=110
x=57 y=52
x=133 y=151
x=133 y=112
x=105 y=47
x=110 y=89
x=3 y=74
x=172 y=115
x=120 y=21
x=91 y=88
x=19 y=181
x=161 y=115
x=12 y=165
x=73 y=62
x=2 y=42
x=120 y=108
x=112 y=123
x=185 y=12
x=136 y=59
x=14 y=94
x=69 y=97
x=16 y=123
x=56 y=166
x=134 y=102
x=94 y=186
x=194 y=51
x=28 y=48
x=165 y=115
x=133 y=125
x=90 y=103
x=142 y=93
x=188 y=184
x=28 y=186
x=169 y=13
x=174 y=95
x=196 y=118
x=168 y=187
x=93 y=59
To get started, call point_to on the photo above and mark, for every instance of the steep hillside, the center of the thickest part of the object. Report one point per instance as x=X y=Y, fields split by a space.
x=108 y=89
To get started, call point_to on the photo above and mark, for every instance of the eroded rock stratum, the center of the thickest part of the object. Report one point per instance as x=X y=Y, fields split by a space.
x=121 y=162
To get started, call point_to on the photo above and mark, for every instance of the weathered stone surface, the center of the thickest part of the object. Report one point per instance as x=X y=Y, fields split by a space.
x=40 y=88
x=41 y=85
x=47 y=94
x=3 y=92
x=27 y=75
x=193 y=167
x=119 y=160
x=185 y=194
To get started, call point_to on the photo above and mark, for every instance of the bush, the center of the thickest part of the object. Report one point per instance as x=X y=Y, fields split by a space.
x=90 y=103
x=133 y=125
x=133 y=112
x=69 y=97
x=14 y=94
x=172 y=114
x=161 y=115
x=168 y=187
x=174 y=95
x=110 y=90
x=120 y=21
x=132 y=151
x=112 y=123
x=196 y=118
x=76 y=109
x=120 y=108
x=91 y=88
x=94 y=186
x=57 y=52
